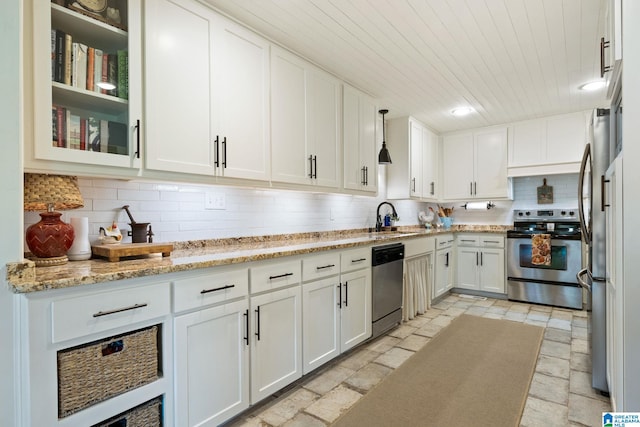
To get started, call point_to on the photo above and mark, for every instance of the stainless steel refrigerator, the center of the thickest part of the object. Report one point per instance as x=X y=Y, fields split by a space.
x=595 y=162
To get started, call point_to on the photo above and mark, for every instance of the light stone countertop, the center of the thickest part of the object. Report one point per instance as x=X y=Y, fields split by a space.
x=24 y=277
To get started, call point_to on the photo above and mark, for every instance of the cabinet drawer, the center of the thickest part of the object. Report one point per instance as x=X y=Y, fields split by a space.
x=355 y=259
x=444 y=241
x=274 y=275
x=418 y=246
x=207 y=289
x=318 y=266
x=98 y=312
x=492 y=241
x=467 y=240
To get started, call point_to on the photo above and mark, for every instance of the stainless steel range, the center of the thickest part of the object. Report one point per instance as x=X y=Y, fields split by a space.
x=544 y=254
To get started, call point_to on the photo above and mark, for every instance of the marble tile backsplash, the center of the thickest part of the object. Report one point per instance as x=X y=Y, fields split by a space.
x=177 y=211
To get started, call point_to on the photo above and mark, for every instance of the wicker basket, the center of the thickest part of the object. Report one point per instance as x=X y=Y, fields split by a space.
x=96 y=371
x=148 y=414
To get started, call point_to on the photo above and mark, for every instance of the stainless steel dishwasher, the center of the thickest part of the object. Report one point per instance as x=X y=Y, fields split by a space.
x=386 y=282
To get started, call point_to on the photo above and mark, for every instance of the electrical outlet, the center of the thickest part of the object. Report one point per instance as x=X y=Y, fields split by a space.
x=214 y=201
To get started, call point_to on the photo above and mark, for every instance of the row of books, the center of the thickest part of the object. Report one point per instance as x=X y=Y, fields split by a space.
x=85 y=67
x=87 y=133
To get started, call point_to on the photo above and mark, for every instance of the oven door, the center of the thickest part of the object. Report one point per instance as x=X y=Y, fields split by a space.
x=566 y=260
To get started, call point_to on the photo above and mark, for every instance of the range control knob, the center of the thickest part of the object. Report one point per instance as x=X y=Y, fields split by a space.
x=563 y=213
x=520 y=214
x=527 y=213
x=572 y=213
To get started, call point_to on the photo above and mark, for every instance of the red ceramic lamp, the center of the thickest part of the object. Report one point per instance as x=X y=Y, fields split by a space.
x=50 y=239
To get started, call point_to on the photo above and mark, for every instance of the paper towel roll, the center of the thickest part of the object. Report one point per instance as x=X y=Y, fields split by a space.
x=470 y=206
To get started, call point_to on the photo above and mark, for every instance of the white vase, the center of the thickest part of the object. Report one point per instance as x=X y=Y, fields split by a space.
x=81 y=247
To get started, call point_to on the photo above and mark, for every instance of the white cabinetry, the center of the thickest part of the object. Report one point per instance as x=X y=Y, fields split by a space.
x=305 y=122
x=415 y=160
x=211 y=385
x=481 y=263
x=65 y=105
x=336 y=309
x=276 y=327
x=359 y=141
x=444 y=267
x=69 y=321
x=611 y=46
x=551 y=145
x=207 y=93
x=475 y=165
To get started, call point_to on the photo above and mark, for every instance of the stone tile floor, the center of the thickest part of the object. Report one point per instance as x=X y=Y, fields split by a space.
x=560 y=393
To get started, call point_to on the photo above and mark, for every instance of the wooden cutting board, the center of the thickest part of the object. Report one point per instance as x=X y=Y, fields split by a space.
x=545 y=193
x=114 y=252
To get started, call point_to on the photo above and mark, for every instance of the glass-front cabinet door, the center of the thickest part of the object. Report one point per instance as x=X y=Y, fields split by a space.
x=87 y=94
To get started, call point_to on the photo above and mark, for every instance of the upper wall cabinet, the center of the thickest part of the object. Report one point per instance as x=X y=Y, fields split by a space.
x=359 y=141
x=414 y=152
x=305 y=122
x=79 y=124
x=206 y=93
x=547 y=146
x=611 y=46
x=474 y=165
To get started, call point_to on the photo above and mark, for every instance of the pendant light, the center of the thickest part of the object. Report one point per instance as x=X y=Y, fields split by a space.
x=384 y=158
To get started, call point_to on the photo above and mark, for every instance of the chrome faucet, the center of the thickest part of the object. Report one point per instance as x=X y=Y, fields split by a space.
x=394 y=215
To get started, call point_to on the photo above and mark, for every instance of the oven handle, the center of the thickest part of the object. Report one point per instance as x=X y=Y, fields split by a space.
x=583 y=283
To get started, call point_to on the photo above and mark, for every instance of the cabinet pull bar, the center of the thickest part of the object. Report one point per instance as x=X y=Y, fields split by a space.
x=433 y=191
x=358 y=260
x=467 y=240
x=221 y=288
x=492 y=241
x=366 y=175
x=315 y=167
x=602 y=193
x=119 y=310
x=246 y=326
x=346 y=294
x=280 y=275
x=413 y=185
x=217 y=160
x=224 y=152
x=475 y=188
x=322 y=267
x=476 y=258
x=446 y=263
x=481 y=262
x=471 y=188
x=603 y=68
x=363 y=181
x=340 y=295
x=311 y=166
x=137 y=127
x=257 y=333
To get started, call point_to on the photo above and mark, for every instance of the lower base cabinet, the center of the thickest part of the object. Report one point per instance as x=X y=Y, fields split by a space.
x=276 y=341
x=212 y=364
x=443 y=280
x=481 y=264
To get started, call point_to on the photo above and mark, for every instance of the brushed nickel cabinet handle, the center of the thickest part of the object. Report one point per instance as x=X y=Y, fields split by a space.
x=119 y=310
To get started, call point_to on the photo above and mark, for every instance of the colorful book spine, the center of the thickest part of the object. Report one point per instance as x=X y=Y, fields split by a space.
x=61 y=126
x=53 y=55
x=74 y=131
x=94 y=134
x=79 y=76
x=68 y=46
x=91 y=57
x=83 y=134
x=112 y=74
x=104 y=136
x=54 y=126
x=97 y=66
x=123 y=74
x=60 y=55
x=105 y=71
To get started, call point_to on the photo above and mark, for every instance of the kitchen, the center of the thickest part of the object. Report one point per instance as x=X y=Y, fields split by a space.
x=346 y=212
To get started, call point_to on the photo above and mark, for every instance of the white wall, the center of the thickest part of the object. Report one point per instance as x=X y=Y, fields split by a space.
x=177 y=211
x=11 y=196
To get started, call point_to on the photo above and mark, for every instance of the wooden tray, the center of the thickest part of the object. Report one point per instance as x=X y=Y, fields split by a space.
x=114 y=252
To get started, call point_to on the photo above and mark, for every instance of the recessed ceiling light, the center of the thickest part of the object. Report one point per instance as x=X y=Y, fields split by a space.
x=462 y=111
x=595 y=85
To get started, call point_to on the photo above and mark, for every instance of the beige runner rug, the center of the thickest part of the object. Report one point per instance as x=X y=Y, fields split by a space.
x=475 y=372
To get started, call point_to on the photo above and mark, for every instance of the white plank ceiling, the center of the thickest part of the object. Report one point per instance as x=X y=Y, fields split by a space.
x=511 y=60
